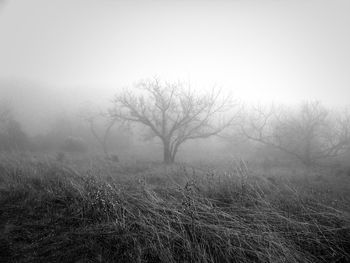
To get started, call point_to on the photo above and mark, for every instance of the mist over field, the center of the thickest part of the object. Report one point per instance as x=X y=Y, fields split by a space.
x=174 y=131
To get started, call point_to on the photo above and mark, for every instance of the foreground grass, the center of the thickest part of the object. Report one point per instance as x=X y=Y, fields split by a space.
x=51 y=212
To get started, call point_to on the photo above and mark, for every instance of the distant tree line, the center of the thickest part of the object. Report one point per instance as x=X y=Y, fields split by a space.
x=173 y=114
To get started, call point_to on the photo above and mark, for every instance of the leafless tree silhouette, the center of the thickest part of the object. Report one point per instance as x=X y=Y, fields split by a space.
x=173 y=112
x=91 y=117
x=310 y=134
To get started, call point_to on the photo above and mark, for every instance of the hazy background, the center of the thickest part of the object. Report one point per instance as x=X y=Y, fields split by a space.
x=56 y=55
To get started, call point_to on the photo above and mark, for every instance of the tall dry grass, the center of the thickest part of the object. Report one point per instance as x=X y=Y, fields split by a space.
x=99 y=212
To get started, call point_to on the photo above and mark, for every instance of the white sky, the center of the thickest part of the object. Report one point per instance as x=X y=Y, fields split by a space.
x=267 y=50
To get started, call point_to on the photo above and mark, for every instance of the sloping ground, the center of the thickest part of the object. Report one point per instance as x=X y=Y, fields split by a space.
x=53 y=213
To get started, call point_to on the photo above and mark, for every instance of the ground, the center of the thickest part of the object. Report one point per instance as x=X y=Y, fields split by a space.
x=94 y=210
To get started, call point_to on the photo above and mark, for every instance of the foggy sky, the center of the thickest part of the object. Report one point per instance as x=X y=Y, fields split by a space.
x=268 y=50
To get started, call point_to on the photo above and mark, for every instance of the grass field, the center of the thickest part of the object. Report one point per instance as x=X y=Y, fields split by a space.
x=92 y=210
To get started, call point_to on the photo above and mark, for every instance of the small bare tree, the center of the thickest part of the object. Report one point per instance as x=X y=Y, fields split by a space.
x=92 y=117
x=173 y=113
x=310 y=134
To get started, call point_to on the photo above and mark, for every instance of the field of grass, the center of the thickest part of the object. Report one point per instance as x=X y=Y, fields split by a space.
x=92 y=210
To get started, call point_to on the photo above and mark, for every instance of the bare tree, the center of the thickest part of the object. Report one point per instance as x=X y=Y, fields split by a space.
x=310 y=134
x=92 y=117
x=173 y=113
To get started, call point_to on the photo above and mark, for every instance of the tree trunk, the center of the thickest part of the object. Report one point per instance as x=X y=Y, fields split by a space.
x=174 y=152
x=167 y=158
x=172 y=158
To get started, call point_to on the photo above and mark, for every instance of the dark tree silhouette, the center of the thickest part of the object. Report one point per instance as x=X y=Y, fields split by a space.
x=173 y=113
